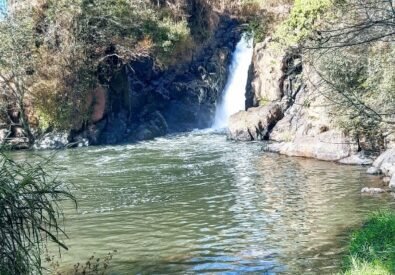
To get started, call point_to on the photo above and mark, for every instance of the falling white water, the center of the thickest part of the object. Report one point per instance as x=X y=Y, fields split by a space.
x=234 y=94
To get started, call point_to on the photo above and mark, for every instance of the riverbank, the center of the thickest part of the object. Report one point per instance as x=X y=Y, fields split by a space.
x=371 y=249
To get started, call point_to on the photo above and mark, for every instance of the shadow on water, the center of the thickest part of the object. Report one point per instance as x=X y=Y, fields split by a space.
x=196 y=203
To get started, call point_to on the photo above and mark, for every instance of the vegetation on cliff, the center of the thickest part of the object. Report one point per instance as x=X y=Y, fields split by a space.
x=54 y=54
x=349 y=50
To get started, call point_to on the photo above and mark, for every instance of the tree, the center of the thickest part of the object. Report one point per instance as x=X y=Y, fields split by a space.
x=352 y=52
x=17 y=67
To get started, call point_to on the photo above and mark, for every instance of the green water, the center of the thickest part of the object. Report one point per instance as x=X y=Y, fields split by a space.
x=196 y=203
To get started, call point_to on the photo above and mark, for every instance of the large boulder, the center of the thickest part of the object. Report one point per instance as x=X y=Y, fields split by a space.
x=155 y=126
x=255 y=123
x=329 y=146
x=385 y=164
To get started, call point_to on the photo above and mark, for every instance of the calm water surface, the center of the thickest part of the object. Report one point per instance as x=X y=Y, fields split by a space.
x=196 y=203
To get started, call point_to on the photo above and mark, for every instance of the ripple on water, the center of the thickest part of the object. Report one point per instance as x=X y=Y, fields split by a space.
x=196 y=203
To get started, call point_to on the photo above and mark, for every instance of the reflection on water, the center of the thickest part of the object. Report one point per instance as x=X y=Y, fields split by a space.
x=197 y=203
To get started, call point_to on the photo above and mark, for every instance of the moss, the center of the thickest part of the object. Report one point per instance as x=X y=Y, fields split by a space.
x=372 y=248
x=264 y=101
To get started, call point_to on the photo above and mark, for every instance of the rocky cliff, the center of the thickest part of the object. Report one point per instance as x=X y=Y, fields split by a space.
x=142 y=101
x=285 y=109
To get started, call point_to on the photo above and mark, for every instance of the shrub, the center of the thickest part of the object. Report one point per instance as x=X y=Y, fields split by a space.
x=302 y=21
x=30 y=215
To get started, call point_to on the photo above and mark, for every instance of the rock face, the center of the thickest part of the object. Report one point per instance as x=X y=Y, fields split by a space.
x=254 y=124
x=265 y=75
x=385 y=164
x=142 y=102
x=301 y=125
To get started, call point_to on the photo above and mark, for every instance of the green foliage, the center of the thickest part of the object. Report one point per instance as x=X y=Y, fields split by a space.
x=55 y=53
x=359 y=82
x=258 y=28
x=302 y=21
x=30 y=215
x=17 y=64
x=373 y=246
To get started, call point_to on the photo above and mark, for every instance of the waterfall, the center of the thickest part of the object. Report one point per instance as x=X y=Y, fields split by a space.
x=234 y=93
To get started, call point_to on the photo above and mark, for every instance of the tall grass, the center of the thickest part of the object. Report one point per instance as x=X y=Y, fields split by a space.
x=372 y=248
x=30 y=215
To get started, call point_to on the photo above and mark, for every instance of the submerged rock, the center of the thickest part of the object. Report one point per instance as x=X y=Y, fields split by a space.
x=373 y=190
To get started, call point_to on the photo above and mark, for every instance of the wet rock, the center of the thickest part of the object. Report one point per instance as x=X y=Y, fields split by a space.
x=81 y=141
x=155 y=126
x=254 y=124
x=357 y=159
x=52 y=141
x=373 y=171
x=4 y=133
x=392 y=183
x=18 y=143
x=373 y=190
x=143 y=102
x=329 y=146
x=385 y=164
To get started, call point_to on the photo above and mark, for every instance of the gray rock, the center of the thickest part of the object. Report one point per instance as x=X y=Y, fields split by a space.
x=357 y=159
x=392 y=183
x=255 y=123
x=84 y=142
x=373 y=171
x=4 y=133
x=52 y=141
x=385 y=164
x=267 y=73
x=373 y=190
x=387 y=159
x=19 y=143
x=329 y=146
